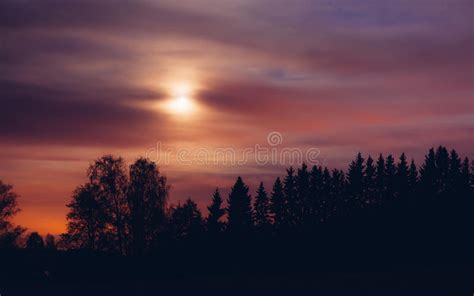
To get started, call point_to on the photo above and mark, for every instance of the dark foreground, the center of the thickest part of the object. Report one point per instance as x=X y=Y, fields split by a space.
x=319 y=283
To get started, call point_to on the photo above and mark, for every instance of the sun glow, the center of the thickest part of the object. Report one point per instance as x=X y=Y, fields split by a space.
x=181 y=102
x=181 y=105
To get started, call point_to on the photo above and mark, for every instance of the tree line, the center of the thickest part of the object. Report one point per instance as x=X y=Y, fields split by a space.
x=126 y=211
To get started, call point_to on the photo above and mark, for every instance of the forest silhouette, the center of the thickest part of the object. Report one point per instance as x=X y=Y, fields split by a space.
x=382 y=213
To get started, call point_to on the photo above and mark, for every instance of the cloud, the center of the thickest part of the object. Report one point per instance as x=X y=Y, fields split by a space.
x=38 y=115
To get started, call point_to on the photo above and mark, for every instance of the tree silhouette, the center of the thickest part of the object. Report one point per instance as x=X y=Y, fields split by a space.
x=278 y=207
x=108 y=175
x=262 y=209
x=388 y=211
x=355 y=182
x=303 y=201
x=290 y=218
x=401 y=177
x=50 y=242
x=380 y=182
x=316 y=202
x=147 y=196
x=369 y=182
x=87 y=220
x=8 y=209
x=216 y=212
x=390 y=178
x=34 y=242
x=428 y=178
x=186 y=220
x=412 y=178
x=239 y=208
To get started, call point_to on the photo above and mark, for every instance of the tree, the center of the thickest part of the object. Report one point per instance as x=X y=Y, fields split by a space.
x=216 y=212
x=402 y=172
x=50 y=242
x=380 y=186
x=337 y=192
x=108 y=175
x=8 y=209
x=355 y=182
x=412 y=177
x=147 y=197
x=262 y=208
x=315 y=195
x=454 y=172
x=303 y=202
x=369 y=181
x=390 y=177
x=87 y=220
x=278 y=204
x=326 y=201
x=428 y=176
x=291 y=204
x=34 y=242
x=442 y=167
x=239 y=208
x=186 y=220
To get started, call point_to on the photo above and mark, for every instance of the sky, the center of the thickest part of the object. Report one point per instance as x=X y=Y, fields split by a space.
x=83 y=78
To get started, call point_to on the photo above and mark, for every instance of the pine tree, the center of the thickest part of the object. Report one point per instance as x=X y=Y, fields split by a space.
x=303 y=204
x=262 y=208
x=278 y=204
x=380 y=186
x=454 y=174
x=338 y=187
x=402 y=184
x=289 y=188
x=369 y=181
x=428 y=176
x=216 y=212
x=315 y=194
x=355 y=181
x=442 y=168
x=412 y=177
x=326 y=201
x=239 y=208
x=390 y=177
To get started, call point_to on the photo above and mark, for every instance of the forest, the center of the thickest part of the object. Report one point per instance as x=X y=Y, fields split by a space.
x=382 y=213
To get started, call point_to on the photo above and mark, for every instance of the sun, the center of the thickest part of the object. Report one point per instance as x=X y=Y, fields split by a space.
x=181 y=102
x=181 y=105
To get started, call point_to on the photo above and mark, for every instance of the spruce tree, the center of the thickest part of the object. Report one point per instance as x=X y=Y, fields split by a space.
x=380 y=187
x=338 y=186
x=262 y=208
x=326 y=201
x=402 y=184
x=412 y=177
x=369 y=181
x=315 y=194
x=390 y=177
x=303 y=204
x=454 y=174
x=216 y=212
x=239 y=208
x=428 y=176
x=289 y=188
x=278 y=204
x=355 y=181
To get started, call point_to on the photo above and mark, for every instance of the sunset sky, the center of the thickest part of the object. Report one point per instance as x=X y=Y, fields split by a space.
x=83 y=78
